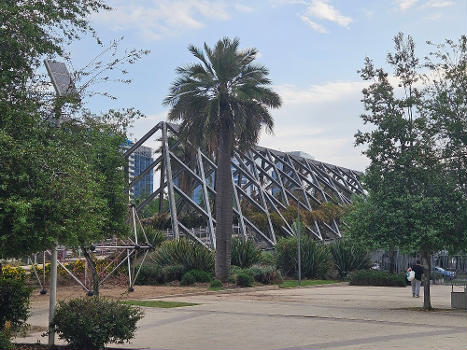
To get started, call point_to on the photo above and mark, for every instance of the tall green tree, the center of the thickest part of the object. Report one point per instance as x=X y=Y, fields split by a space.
x=38 y=178
x=59 y=183
x=222 y=102
x=415 y=201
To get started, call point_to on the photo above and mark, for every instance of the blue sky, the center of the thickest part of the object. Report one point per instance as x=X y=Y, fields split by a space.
x=312 y=48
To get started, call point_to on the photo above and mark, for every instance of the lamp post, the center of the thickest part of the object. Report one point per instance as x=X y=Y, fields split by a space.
x=64 y=87
x=298 y=245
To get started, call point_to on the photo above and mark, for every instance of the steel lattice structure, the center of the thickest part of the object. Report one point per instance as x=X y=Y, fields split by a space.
x=265 y=179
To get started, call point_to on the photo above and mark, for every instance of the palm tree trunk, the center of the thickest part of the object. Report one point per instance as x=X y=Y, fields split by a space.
x=426 y=260
x=224 y=200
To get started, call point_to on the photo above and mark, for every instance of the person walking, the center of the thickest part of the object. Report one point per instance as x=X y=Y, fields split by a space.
x=417 y=281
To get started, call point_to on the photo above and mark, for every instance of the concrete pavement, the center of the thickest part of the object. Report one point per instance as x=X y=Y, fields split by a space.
x=327 y=317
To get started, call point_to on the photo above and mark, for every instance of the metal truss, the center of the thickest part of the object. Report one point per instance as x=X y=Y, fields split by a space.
x=264 y=179
x=131 y=251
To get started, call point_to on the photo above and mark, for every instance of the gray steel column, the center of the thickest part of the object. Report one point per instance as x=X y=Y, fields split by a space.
x=170 y=188
x=261 y=196
x=239 y=209
x=206 y=200
x=284 y=194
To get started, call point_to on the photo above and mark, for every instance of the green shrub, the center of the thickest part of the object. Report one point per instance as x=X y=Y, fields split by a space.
x=201 y=276
x=215 y=283
x=90 y=323
x=265 y=274
x=315 y=257
x=235 y=269
x=348 y=257
x=267 y=258
x=5 y=340
x=188 y=279
x=377 y=278
x=14 y=302
x=244 y=253
x=245 y=279
x=155 y=237
x=150 y=275
x=172 y=273
x=191 y=255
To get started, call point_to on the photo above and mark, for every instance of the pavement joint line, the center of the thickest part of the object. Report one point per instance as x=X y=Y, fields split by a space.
x=369 y=340
x=170 y=320
x=450 y=312
x=328 y=318
x=245 y=290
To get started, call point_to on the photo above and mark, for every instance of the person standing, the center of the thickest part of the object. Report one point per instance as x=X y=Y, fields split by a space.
x=417 y=281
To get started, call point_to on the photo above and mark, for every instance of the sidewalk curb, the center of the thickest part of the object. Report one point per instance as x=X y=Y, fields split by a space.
x=242 y=290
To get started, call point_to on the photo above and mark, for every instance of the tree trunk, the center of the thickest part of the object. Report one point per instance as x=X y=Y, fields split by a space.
x=95 y=276
x=392 y=258
x=426 y=260
x=224 y=200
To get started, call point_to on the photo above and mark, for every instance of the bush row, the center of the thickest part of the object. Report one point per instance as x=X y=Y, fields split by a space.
x=377 y=278
x=316 y=259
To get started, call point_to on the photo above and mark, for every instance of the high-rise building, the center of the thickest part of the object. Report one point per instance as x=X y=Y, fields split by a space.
x=138 y=161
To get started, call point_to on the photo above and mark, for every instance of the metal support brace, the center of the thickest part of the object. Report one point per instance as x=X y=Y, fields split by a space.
x=168 y=168
x=212 y=233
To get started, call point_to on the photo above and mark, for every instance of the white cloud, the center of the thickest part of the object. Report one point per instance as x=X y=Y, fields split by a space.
x=323 y=10
x=164 y=18
x=324 y=93
x=317 y=27
x=321 y=120
x=403 y=5
x=438 y=3
x=242 y=8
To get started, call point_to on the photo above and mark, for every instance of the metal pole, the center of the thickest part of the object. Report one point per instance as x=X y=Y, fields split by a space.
x=298 y=247
x=53 y=295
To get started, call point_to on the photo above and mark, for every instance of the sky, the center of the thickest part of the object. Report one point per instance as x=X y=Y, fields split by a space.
x=312 y=48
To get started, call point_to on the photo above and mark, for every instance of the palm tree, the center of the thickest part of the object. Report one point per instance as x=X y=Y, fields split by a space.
x=222 y=102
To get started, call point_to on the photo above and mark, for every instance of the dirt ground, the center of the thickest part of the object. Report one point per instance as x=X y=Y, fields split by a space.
x=118 y=292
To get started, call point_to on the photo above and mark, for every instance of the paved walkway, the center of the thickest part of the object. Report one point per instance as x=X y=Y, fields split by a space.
x=327 y=317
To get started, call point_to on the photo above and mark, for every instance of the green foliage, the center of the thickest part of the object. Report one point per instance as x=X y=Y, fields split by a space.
x=150 y=275
x=193 y=276
x=267 y=258
x=266 y=274
x=201 y=276
x=222 y=102
x=48 y=190
x=244 y=279
x=244 y=253
x=61 y=181
x=90 y=323
x=416 y=145
x=155 y=274
x=155 y=236
x=235 y=269
x=305 y=283
x=216 y=284
x=14 y=302
x=315 y=257
x=188 y=279
x=191 y=255
x=172 y=273
x=349 y=256
x=377 y=278
x=5 y=340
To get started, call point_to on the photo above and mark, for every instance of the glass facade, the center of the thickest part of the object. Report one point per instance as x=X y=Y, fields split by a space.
x=139 y=161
